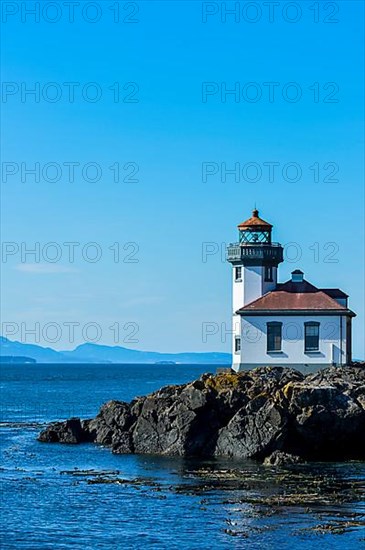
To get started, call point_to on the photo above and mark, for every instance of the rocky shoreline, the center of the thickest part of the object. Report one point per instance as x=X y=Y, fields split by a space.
x=272 y=414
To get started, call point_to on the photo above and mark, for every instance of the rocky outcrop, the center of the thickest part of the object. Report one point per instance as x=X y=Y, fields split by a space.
x=73 y=430
x=279 y=458
x=267 y=412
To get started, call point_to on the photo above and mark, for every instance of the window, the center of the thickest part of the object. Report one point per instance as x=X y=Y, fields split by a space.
x=274 y=330
x=311 y=336
x=238 y=273
x=237 y=344
x=268 y=273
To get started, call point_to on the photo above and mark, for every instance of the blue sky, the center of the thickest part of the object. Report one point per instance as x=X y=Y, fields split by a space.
x=164 y=219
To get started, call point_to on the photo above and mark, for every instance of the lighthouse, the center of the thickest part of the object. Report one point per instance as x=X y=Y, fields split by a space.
x=291 y=324
x=255 y=259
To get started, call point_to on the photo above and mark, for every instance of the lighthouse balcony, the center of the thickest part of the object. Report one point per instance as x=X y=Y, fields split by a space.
x=270 y=252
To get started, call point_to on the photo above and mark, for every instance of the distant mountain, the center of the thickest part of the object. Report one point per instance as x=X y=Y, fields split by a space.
x=95 y=353
x=41 y=355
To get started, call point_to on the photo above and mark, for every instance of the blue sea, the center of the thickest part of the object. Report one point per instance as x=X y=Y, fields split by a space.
x=84 y=497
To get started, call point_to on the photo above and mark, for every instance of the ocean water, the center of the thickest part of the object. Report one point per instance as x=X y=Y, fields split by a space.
x=64 y=496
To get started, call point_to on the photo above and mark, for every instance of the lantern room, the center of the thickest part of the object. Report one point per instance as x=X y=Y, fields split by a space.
x=255 y=230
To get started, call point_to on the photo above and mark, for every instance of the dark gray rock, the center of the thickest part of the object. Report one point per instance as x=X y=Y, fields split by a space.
x=254 y=431
x=175 y=421
x=267 y=412
x=339 y=376
x=278 y=458
x=113 y=420
x=124 y=444
x=327 y=423
x=270 y=379
x=70 y=431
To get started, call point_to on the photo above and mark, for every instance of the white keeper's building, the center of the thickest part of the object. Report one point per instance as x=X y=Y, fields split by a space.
x=292 y=324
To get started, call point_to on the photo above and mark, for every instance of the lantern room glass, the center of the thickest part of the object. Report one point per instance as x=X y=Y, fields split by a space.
x=254 y=236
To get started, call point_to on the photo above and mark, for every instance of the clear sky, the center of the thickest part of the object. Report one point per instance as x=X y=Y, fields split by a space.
x=161 y=130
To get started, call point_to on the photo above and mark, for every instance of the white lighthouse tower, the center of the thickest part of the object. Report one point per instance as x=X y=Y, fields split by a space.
x=255 y=259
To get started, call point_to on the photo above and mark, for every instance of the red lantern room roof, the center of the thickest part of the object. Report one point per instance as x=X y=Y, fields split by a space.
x=255 y=222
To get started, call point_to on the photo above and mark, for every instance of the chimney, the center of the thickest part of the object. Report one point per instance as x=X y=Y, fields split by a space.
x=297 y=276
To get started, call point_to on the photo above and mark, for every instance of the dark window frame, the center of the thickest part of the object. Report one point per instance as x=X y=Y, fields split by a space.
x=236 y=278
x=237 y=348
x=274 y=336
x=268 y=274
x=311 y=341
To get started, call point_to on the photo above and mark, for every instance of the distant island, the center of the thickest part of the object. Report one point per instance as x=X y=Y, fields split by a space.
x=16 y=359
x=97 y=353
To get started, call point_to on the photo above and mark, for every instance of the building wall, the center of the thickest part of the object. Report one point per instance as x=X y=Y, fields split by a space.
x=252 y=286
x=267 y=286
x=236 y=332
x=332 y=342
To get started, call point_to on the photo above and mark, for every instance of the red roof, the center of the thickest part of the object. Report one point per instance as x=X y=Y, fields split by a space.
x=292 y=296
x=255 y=221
